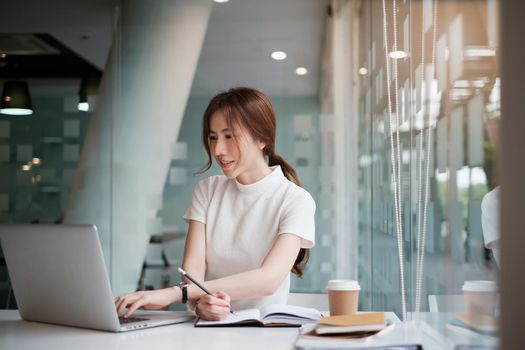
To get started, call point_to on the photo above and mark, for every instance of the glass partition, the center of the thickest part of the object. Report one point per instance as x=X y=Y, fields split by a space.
x=429 y=97
x=60 y=59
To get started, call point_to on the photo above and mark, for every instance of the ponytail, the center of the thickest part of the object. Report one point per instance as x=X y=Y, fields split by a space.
x=288 y=171
x=290 y=174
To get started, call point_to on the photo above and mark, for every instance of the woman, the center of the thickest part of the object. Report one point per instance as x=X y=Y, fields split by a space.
x=247 y=229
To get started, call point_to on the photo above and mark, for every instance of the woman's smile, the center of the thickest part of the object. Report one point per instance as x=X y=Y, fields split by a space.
x=226 y=164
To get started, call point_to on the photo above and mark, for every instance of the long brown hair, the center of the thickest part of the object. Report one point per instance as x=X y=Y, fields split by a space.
x=253 y=111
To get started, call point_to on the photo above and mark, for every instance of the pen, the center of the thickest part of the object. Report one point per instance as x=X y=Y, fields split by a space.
x=185 y=274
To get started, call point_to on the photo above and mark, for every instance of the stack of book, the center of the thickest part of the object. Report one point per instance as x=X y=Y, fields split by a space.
x=353 y=326
x=365 y=330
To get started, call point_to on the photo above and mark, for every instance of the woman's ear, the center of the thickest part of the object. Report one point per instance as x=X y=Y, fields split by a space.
x=261 y=145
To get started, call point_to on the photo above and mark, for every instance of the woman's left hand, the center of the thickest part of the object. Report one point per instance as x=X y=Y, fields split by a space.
x=149 y=300
x=213 y=308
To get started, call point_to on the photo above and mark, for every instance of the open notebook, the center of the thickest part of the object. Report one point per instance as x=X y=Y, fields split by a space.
x=275 y=315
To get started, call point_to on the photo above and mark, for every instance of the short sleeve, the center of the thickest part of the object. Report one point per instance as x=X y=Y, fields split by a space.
x=490 y=218
x=298 y=218
x=199 y=204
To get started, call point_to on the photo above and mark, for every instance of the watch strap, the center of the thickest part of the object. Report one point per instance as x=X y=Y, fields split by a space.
x=184 y=288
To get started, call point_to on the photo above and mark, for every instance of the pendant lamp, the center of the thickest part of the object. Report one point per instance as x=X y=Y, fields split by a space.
x=16 y=99
x=83 y=104
x=88 y=87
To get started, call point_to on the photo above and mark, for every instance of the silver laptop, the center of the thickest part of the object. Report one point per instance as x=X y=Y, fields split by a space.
x=59 y=276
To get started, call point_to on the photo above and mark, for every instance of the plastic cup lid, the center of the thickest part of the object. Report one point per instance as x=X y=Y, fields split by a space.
x=342 y=285
x=480 y=286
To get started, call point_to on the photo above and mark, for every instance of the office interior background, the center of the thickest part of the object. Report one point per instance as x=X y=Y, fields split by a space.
x=390 y=116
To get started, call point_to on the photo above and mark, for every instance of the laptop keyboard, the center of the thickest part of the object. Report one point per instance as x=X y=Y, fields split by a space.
x=124 y=320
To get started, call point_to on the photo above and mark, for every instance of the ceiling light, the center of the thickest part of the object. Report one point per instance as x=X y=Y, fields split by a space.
x=398 y=55
x=301 y=71
x=477 y=83
x=461 y=84
x=35 y=161
x=83 y=106
x=278 y=55
x=26 y=167
x=363 y=71
x=16 y=99
x=3 y=55
x=16 y=111
x=479 y=51
x=220 y=1
x=88 y=87
x=459 y=94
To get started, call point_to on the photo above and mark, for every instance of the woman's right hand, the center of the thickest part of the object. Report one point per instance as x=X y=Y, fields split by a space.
x=213 y=308
x=149 y=300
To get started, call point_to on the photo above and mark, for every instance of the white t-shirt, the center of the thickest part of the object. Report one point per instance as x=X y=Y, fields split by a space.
x=243 y=222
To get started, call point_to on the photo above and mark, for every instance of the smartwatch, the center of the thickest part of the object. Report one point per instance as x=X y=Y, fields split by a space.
x=184 y=288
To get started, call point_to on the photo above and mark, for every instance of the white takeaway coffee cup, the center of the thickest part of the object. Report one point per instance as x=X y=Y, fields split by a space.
x=481 y=297
x=343 y=296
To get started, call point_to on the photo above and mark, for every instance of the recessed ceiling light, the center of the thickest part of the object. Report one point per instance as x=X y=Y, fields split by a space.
x=278 y=55
x=476 y=83
x=461 y=84
x=363 y=71
x=479 y=51
x=220 y=1
x=398 y=55
x=301 y=71
x=457 y=93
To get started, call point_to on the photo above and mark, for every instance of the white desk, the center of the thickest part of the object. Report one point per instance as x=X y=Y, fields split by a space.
x=16 y=334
